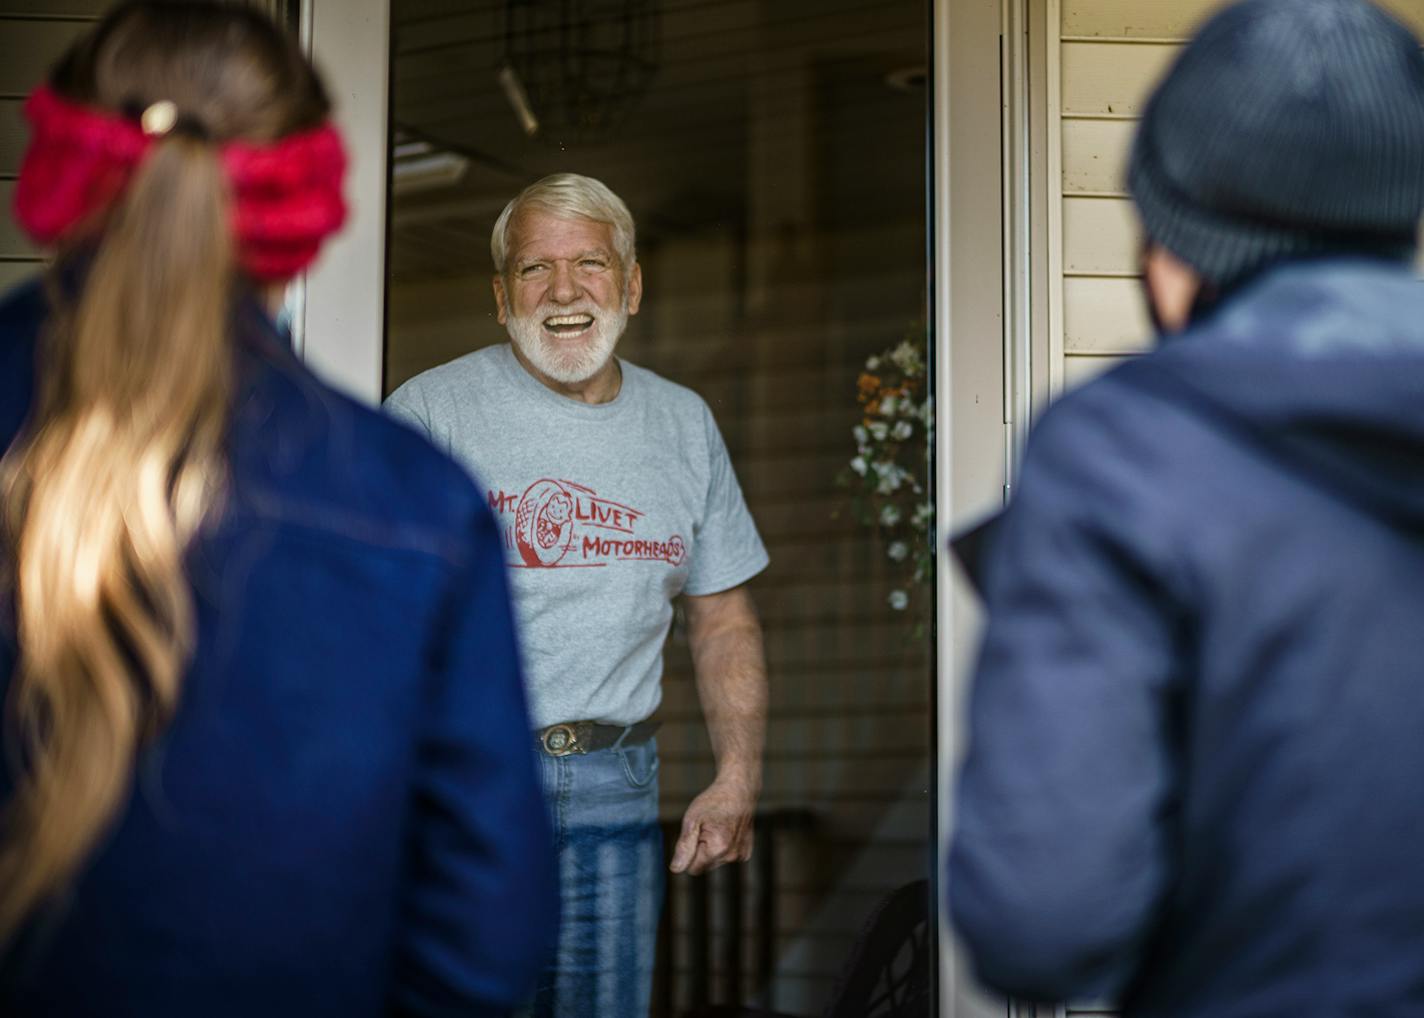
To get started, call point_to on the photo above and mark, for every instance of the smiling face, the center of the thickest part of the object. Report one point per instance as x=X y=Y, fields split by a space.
x=565 y=299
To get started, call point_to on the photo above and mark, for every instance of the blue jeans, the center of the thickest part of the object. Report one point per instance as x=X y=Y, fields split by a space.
x=605 y=812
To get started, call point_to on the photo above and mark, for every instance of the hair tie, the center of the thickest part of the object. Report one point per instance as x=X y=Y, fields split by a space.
x=286 y=194
x=163 y=118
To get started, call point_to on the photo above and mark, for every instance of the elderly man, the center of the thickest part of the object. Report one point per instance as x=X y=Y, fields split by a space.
x=1193 y=777
x=616 y=495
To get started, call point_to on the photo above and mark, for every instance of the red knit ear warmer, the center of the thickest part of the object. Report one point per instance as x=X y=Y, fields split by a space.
x=286 y=196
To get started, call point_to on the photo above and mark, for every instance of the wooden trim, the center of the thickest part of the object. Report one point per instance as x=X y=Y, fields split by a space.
x=1041 y=197
x=950 y=973
x=967 y=202
x=1017 y=191
x=1054 y=10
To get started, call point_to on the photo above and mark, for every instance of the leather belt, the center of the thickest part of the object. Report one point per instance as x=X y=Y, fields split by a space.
x=577 y=737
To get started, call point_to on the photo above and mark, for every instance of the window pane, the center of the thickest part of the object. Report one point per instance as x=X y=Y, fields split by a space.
x=773 y=155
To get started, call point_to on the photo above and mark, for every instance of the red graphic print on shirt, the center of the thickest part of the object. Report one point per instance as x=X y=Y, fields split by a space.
x=562 y=525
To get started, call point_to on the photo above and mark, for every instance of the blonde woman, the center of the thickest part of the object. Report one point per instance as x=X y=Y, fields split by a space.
x=263 y=735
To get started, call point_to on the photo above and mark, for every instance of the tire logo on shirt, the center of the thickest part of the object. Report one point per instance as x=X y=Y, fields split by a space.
x=562 y=525
x=543 y=524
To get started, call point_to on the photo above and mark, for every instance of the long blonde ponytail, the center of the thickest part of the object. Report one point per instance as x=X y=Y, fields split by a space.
x=122 y=462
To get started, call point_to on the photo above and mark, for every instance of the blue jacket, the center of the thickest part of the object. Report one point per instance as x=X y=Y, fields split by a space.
x=344 y=816
x=1195 y=774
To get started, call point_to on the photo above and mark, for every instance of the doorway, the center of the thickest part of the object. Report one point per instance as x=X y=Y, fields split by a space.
x=774 y=156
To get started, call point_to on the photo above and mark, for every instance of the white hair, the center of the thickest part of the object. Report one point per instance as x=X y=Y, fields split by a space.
x=570 y=196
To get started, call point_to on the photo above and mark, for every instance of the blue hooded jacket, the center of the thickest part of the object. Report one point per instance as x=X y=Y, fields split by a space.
x=1195 y=774
x=343 y=817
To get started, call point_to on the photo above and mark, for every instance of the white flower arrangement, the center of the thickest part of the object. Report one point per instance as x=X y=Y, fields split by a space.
x=890 y=470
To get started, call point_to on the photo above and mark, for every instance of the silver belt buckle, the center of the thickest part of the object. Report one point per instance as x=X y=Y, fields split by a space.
x=561 y=740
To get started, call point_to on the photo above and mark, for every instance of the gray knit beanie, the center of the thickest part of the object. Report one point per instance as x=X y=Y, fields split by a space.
x=1286 y=129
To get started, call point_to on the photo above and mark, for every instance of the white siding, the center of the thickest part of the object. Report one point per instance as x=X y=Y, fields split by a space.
x=1100 y=237
x=1110 y=78
x=1104 y=316
x=1095 y=155
x=1133 y=19
x=1106 y=56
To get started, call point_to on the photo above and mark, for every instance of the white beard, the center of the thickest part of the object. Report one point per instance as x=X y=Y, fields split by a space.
x=569 y=363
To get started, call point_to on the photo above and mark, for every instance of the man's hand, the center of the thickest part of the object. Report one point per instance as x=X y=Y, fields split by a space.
x=725 y=638
x=716 y=829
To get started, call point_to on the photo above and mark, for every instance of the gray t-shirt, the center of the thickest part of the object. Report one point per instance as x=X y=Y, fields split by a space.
x=608 y=513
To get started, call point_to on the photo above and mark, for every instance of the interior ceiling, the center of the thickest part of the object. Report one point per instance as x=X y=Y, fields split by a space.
x=679 y=155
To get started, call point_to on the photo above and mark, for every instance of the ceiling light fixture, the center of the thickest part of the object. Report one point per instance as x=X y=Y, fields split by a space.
x=582 y=64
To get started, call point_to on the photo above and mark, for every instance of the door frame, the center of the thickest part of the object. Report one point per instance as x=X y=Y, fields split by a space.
x=974 y=358
x=341 y=315
x=339 y=307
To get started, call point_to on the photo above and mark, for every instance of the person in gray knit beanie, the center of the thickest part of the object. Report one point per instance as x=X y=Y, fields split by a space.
x=1191 y=781
x=1287 y=129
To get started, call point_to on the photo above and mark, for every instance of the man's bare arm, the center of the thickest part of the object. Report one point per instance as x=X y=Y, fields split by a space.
x=730 y=664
